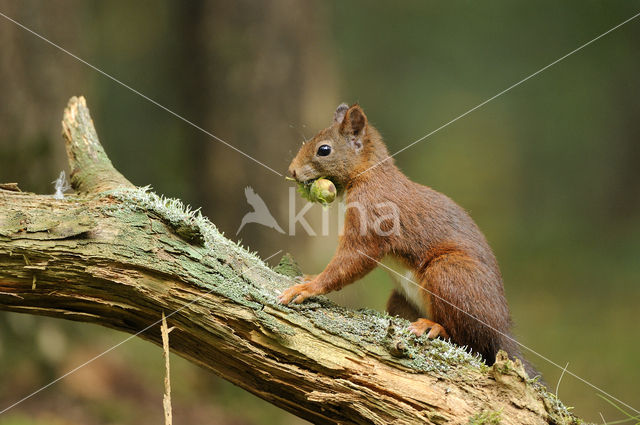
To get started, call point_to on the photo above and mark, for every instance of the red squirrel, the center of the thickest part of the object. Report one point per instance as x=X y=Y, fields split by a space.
x=460 y=294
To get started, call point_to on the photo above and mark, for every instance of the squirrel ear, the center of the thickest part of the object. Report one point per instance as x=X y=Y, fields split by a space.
x=353 y=127
x=354 y=122
x=341 y=110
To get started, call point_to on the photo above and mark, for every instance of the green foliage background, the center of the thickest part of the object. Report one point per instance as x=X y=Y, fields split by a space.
x=549 y=170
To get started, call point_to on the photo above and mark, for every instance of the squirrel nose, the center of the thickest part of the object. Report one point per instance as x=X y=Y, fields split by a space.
x=292 y=172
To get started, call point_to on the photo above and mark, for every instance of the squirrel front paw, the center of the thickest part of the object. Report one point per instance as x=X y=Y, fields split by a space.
x=421 y=325
x=298 y=293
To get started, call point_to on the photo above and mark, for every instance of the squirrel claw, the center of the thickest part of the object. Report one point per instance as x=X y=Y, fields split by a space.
x=420 y=326
x=297 y=293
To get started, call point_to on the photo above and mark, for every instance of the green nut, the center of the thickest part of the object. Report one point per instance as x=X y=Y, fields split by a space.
x=323 y=191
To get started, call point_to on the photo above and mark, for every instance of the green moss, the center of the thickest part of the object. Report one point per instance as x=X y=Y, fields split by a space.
x=48 y=225
x=372 y=330
x=288 y=266
x=438 y=418
x=13 y=222
x=558 y=412
x=178 y=216
x=486 y=417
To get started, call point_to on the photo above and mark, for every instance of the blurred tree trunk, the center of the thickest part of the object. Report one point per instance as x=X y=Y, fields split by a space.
x=193 y=74
x=34 y=80
x=265 y=57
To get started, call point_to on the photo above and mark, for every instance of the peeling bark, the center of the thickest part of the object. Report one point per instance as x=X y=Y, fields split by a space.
x=120 y=256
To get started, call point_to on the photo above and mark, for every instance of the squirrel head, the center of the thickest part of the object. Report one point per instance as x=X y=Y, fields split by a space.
x=339 y=152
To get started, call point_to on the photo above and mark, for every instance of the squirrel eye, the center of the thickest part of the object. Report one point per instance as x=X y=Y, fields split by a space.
x=324 y=150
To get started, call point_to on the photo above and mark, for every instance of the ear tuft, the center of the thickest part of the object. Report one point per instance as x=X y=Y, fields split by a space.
x=355 y=120
x=341 y=110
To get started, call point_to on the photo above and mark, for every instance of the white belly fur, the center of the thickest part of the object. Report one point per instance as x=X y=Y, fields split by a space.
x=406 y=283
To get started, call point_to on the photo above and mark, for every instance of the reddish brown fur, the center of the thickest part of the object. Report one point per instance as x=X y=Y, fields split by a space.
x=437 y=240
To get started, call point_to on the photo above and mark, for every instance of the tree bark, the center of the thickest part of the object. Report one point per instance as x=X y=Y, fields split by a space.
x=120 y=256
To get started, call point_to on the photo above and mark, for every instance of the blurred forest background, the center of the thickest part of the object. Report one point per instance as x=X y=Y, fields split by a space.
x=550 y=170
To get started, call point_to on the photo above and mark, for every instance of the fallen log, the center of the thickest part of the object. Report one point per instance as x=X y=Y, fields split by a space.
x=120 y=256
